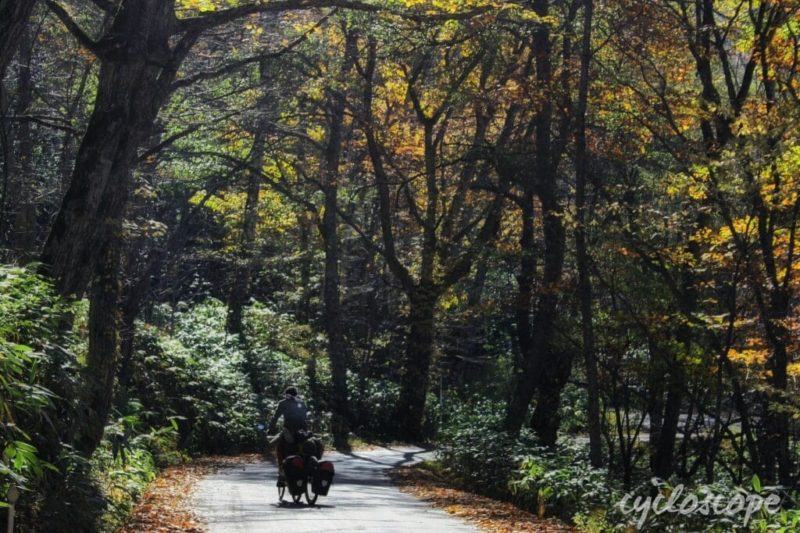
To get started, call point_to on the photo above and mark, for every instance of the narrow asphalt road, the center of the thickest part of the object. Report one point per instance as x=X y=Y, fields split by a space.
x=245 y=499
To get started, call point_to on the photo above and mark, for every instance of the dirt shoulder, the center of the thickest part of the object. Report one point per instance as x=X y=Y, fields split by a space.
x=486 y=513
x=164 y=506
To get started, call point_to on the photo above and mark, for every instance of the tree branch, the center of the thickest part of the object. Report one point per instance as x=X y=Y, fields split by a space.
x=76 y=31
x=224 y=16
x=231 y=67
x=218 y=18
x=106 y=5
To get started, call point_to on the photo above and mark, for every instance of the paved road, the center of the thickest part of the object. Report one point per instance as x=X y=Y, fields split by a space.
x=245 y=499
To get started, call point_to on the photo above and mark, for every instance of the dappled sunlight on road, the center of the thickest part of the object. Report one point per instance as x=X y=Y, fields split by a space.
x=362 y=499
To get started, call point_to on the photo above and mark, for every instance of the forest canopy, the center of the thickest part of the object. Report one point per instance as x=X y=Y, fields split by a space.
x=564 y=230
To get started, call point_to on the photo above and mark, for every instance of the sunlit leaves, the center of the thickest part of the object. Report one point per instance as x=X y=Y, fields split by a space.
x=191 y=7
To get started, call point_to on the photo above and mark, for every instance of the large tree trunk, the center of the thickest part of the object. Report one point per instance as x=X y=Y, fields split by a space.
x=330 y=291
x=23 y=228
x=422 y=301
x=127 y=335
x=415 y=378
x=133 y=85
x=541 y=366
x=84 y=243
x=546 y=417
x=102 y=360
x=14 y=15
x=523 y=388
x=423 y=290
x=775 y=449
x=550 y=365
x=776 y=312
x=337 y=350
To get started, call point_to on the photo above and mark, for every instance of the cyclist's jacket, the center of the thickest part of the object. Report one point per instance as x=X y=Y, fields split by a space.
x=294 y=413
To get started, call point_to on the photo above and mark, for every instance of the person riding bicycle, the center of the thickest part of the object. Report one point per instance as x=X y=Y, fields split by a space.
x=295 y=418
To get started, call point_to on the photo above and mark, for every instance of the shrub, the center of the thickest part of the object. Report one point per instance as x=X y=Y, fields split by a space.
x=121 y=480
x=572 y=409
x=562 y=482
x=474 y=449
x=373 y=404
x=197 y=375
x=30 y=314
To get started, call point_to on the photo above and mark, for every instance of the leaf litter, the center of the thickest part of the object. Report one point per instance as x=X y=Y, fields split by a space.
x=488 y=514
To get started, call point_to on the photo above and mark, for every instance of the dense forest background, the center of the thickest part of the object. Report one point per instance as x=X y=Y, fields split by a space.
x=558 y=231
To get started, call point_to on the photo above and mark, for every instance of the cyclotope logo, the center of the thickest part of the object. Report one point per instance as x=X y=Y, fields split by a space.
x=740 y=506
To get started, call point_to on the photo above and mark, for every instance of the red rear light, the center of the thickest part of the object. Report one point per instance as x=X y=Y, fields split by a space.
x=298 y=462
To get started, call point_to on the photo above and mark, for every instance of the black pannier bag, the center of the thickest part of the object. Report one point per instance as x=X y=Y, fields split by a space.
x=294 y=468
x=323 y=478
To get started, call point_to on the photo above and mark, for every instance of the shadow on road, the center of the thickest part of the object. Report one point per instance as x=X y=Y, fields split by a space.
x=291 y=506
x=362 y=498
x=408 y=457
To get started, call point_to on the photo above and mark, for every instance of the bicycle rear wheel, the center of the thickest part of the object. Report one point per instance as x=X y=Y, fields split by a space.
x=311 y=496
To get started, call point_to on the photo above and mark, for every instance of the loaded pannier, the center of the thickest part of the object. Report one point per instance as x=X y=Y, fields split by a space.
x=323 y=478
x=294 y=469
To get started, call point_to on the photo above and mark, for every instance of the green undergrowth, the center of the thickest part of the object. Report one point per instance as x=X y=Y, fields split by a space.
x=476 y=455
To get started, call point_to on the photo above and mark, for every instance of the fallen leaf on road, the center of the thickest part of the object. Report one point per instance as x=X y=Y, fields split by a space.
x=164 y=506
x=488 y=514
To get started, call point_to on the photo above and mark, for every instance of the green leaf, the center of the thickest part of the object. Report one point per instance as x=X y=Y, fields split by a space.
x=756 y=483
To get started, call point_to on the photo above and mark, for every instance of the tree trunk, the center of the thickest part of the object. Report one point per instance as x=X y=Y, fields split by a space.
x=546 y=417
x=14 y=15
x=552 y=367
x=337 y=350
x=415 y=378
x=84 y=243
x=662 y=460
x=133 y=85
x=775 y=448
x=331 y=293
x=23 y=229
x=541 y=179
x=306 y=255
x=102 y=357
x=333 y=314
x=523 y=388
x=657 y=368
x=127 y=334
x=582 y=255
x=240 y=289
x=76 y=111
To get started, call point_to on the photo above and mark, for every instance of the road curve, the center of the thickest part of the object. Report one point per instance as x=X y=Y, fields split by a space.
x=244 y=499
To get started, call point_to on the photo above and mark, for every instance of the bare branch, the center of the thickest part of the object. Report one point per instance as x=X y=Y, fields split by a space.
x=236 y=65
x=76 y=31
x=218 y=18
